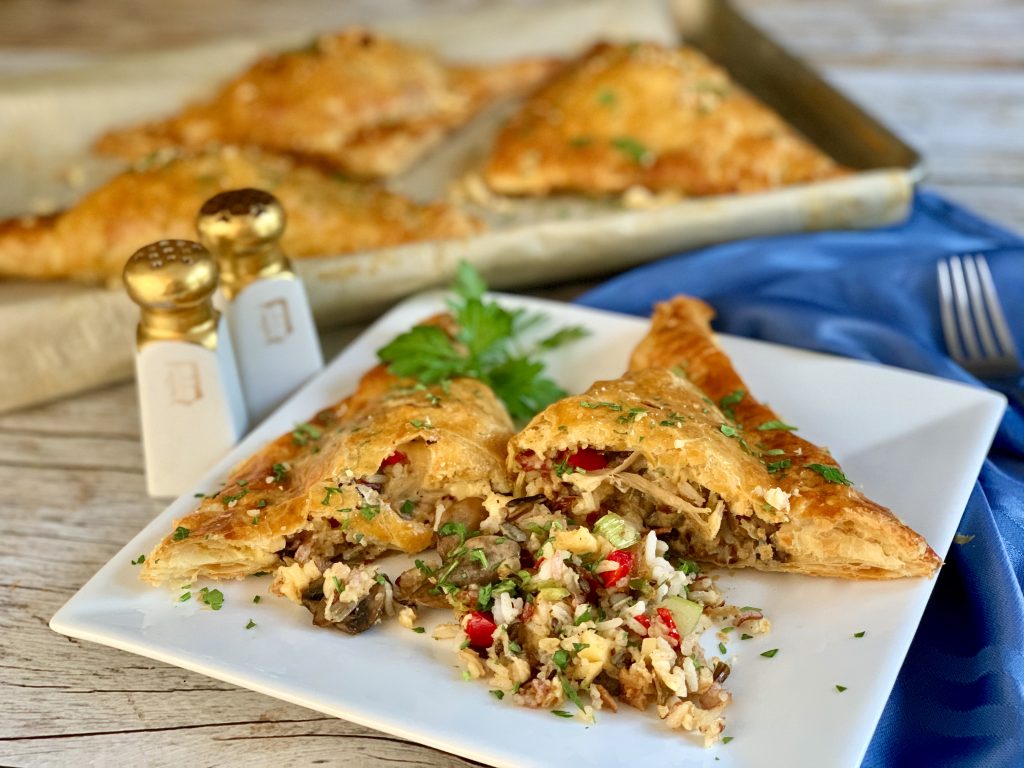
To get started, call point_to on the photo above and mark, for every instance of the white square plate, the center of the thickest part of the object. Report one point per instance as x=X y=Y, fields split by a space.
x=912 y=442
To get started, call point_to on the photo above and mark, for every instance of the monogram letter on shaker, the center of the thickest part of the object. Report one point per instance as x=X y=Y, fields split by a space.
x=265 y=302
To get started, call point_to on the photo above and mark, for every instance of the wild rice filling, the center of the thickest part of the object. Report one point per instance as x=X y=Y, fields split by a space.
x=695 y=521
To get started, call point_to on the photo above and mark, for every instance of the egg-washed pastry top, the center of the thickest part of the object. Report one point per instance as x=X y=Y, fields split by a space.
x=826 y=527
x=376 y=472
x=643 y=114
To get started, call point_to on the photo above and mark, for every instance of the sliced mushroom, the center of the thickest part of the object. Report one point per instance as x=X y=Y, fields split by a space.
x=413 y=587
x=484 y=560
x=360 y=617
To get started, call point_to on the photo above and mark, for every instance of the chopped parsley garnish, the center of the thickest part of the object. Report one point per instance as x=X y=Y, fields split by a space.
x=256 y=599
x=633 y=149
x=722 y=649
x=486 y=347
x=329 y=491
x=859 y=634
x=832 y=474
x=770 y=654
x=730 y=400
x=185 y=597
x=381 y=579
x=139 y=560
x=727 y=630
x=180 y=533
x=560 y=658
x=561 y=713
x=251 y=624
x=840 y=688
x=729 y=431
x=338 y=586
x=601 y=404
x=480 y=556
x=407 y=508
x=369 y=511
x=570 y=692
x=255 y=520
x=279 y=470
x=229 y=500
x=303 y=433
x=212 y=597
x=606 y=97
x=452 y=528
x=775 y=424
x=687 y=566
x=631 y=415
x=199 y=495
x=261 y=504
x=778 y=466
x=418 y=630
x=515 y=647
x=727 y=739
x=673 y=420
x=499 y=695
x=419 y=424
x=562 y=467
x=585 y=616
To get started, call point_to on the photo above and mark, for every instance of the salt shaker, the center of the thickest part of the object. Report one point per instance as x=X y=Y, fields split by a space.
x=190 y=395
x=268 y=312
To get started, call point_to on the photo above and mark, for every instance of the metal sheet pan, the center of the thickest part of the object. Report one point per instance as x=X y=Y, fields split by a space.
x=66 y=337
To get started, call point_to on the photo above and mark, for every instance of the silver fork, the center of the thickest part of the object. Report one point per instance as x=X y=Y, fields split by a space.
x=973 y=323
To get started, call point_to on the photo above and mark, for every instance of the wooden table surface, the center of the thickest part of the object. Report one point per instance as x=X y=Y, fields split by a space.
x=947 y=74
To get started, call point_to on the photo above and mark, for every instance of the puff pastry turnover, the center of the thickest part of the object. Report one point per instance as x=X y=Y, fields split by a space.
x=327 y=215
x=379 y=471
x=354 y=100
x=826 y=526
x=667 y=119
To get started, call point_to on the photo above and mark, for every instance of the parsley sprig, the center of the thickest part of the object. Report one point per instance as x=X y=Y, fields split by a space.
x=487 y=347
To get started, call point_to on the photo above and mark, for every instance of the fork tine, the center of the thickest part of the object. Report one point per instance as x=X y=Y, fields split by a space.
x=961 y=301
x=995 y=309
x=946 y=312
x=978 y=300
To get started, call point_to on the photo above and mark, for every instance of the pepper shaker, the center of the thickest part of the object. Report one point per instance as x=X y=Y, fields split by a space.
x=190 y=395
x=268 y=312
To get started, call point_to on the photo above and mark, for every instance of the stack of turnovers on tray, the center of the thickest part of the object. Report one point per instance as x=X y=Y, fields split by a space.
x=570 y=553
x=312 y=125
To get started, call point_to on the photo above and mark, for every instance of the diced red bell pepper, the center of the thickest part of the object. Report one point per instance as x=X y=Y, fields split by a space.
x=643 y=621
x=480 y=628
x=587 y=459
x=395 y=458
x=670 y=625
x=624 y=560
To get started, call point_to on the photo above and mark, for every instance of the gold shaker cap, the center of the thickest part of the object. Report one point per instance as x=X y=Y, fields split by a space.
x=243 y=228
x=173 y=282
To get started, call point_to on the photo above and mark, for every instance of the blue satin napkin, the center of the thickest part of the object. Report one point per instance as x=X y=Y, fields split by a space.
x=959 y=699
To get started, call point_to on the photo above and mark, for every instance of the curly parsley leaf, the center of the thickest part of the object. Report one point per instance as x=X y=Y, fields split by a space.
x=487 y=347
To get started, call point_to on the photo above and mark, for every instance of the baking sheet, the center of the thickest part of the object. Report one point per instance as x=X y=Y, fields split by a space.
x=49 y=120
